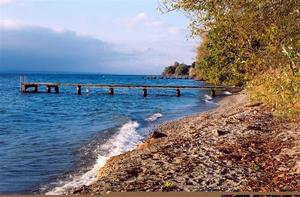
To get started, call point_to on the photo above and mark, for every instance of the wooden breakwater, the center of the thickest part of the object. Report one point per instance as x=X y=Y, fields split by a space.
x=33 y=87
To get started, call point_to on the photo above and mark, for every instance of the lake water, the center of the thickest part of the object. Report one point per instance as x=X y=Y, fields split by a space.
x=52 y=142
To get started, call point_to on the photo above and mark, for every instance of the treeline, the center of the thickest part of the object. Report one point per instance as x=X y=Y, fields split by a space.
x=178 y=69
x=250 y=43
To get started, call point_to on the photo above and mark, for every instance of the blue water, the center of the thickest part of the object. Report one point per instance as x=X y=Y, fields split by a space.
x=47 y=140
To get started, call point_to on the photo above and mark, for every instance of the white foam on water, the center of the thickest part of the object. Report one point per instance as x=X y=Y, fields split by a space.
x=210 y=102
x=227 y=93
x=207 y=97
x=154 y=117
x=126 y=139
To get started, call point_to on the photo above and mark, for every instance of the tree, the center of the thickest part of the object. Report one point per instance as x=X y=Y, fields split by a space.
x=176 y=64
x=251 y=43
x=170 y=70
x=182 y=70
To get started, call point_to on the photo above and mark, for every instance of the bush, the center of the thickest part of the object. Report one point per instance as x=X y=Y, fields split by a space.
x=280 y=89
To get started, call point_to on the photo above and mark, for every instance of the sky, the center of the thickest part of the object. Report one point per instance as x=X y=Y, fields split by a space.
x=101 y=36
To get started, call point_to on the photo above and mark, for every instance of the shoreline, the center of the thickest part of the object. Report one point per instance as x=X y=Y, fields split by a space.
x=86 y=177
x=224 y=149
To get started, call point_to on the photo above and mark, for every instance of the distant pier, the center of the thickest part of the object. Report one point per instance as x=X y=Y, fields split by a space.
x=168 y=77
x=34 y=87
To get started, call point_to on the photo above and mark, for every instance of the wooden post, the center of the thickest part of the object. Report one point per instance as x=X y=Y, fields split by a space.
x=35 y=88
x=21 y=83
x=56 y=89
x=79 y=89
x=111 y=91
x=48 y=89
x=25 y=88
x=213 y=93
x=178 y=93
x=145 y=93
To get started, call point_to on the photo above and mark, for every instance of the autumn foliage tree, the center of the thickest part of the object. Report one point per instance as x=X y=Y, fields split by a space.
x=251 y=43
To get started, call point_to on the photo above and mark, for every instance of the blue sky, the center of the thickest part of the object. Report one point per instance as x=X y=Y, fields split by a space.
x=107 y=36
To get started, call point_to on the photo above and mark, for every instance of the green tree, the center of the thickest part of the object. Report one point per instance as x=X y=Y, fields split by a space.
x=168 y=71
x=181 y=70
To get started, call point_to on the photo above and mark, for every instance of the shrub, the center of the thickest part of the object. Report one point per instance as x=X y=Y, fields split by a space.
x=279 y=89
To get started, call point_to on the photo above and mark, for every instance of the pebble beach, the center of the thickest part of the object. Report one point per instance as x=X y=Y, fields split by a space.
x=239 y=146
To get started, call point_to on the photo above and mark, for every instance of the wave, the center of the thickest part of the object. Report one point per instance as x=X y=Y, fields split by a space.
x=125 y=139
x=207 y=97
x=227 y=93
x=210 y=102
x=154 y=117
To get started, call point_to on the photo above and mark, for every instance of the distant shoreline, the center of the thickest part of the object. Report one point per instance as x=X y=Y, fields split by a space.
x=66 y=73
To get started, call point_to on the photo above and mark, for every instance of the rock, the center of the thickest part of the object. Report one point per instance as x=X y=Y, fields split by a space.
x=283 y=169
x=254 y=104
x=157 y=134
x=177 y=161
x=296 y=168
x=79 y=190
x=254 y=127
x=156 y=156
x=222 y=132
x=254 y=150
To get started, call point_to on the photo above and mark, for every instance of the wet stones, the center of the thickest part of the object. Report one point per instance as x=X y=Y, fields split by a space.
x=156 y=135
x=221 y=132
x=254 y=127
x=82 y=189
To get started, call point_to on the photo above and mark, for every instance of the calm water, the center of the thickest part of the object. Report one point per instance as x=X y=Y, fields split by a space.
x=52 y=142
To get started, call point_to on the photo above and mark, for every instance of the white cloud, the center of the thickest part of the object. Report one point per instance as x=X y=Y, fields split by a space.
x=142 y=19
x=33 y=48
x=36 y=48
x=173 y=30
x=139 y=18
x=58 y=30
x=168 y=43
x=14 y=24
x=2 y=2
x=9 y=23
x=147 y=23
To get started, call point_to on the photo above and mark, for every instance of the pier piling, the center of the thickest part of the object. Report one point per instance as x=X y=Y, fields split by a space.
x=35 y=88
x=79 y=89
x=178 y=93
x=111 y=91
x=56 y=89
x=145 y=93
x=213 y=93
x=48 y=88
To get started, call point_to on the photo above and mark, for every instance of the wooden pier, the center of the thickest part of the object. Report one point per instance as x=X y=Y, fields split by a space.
x=33 y=87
